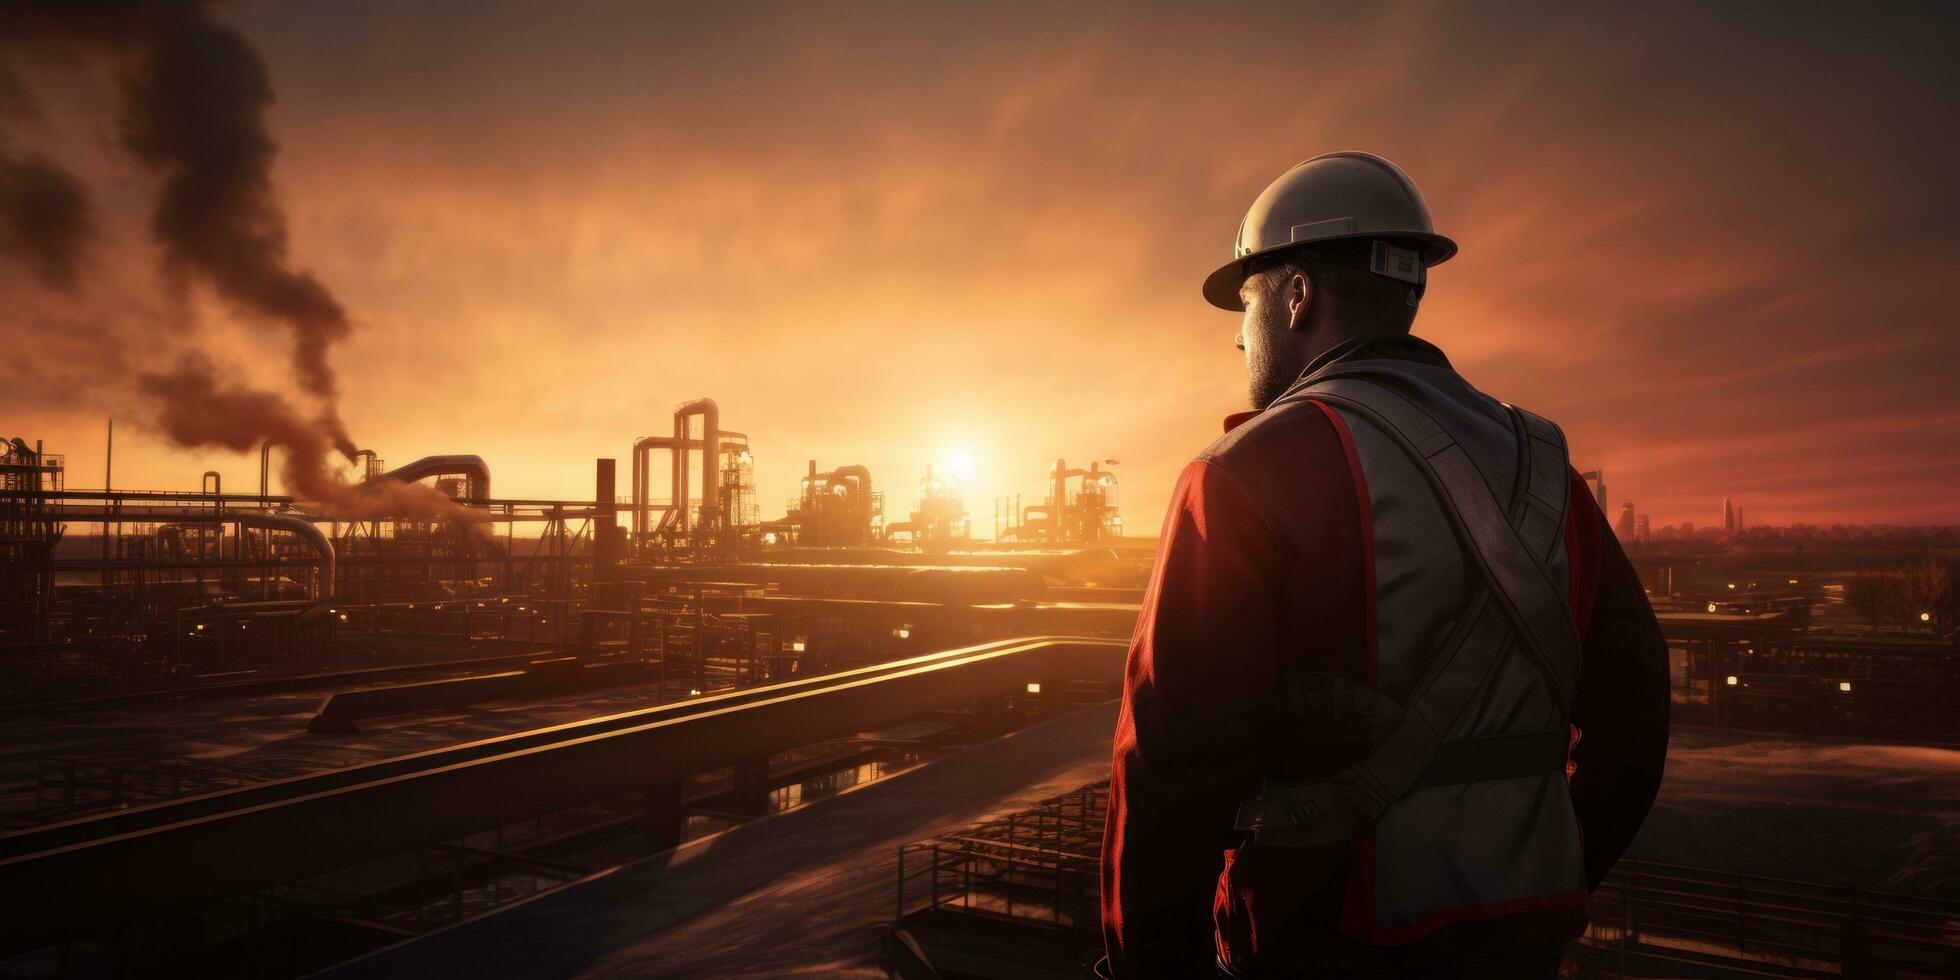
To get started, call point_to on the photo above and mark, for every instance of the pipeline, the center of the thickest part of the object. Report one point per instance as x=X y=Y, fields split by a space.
x=276 y=522
x=471 y=466
x=710 y=459
x=678 y=445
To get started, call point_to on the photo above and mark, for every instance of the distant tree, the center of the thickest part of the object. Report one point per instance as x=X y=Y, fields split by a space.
x=1922 y=586
x=1873 y=593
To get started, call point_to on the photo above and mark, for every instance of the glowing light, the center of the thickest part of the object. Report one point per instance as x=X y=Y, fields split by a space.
x=693 y=693
x=902 y=633
x=1711 y=607
x=343 y=617
x=200 y=626
x=1844 y=686
x=1793 y=581
x=1034 y=689
x=796 y=647
x=1731 y=585
x=961 y=463
x=1732 y=680
x=1925 y=617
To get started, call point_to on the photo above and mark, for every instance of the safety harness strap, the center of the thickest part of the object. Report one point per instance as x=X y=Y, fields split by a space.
x=1313 y=813
x=1508 y=549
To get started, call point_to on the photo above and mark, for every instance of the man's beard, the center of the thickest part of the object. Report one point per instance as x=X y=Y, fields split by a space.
x=1271 y=370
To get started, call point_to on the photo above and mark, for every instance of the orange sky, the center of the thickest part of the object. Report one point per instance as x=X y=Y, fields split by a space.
x=1719 y=247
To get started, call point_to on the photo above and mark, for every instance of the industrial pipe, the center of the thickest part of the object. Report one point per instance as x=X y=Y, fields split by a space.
x=277 y=522
x=863 y=476
x=710 y=459
x=471 y=466
x=678 y=444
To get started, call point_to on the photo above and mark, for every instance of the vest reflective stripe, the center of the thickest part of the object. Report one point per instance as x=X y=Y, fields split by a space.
x=1475 y=642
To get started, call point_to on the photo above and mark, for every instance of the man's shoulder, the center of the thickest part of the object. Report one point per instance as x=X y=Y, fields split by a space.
x=1280 y=428
x=1278 y=452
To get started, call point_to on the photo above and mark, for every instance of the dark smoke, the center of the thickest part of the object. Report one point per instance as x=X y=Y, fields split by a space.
x=201 y=410
x=194 y=100
x=44 y=218
x=194 y=105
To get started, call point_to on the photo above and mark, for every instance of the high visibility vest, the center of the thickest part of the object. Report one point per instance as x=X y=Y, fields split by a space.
x=1460 y=811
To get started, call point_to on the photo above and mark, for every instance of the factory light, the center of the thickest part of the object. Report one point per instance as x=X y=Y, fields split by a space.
x=1844 y=686
x=693 y=693
x=1925 y=617
x=200 y=626
x=1034 y=688
x=1732 y=680
x=796 y=646
x=1731 y=585
x=343 y=617
x=1711 y=607
x=1793 y=581
x=902 y=633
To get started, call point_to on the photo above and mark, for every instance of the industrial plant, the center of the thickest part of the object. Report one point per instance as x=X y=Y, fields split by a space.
x=296 y=680
x=542 y=690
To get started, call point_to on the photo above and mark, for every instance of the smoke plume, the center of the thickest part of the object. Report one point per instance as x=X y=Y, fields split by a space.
x=194 y=96
x=43 y=218
x=201 y=410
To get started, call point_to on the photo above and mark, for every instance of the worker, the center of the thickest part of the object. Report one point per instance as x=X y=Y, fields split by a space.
x=1396 y=701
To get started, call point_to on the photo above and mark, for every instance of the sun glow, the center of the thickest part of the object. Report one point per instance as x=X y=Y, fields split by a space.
x=961 y=464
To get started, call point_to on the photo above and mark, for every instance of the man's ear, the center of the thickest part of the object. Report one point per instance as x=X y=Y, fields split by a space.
x=1298 y=294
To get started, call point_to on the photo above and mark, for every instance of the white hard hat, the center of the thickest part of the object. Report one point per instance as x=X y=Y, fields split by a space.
x=1336 y=196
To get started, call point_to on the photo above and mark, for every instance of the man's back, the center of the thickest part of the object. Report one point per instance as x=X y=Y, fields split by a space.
x=1277 y=558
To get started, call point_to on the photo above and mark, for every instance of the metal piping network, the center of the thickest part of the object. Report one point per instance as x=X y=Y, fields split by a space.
x=678 y=444
x=276 y=522
x=471 y=466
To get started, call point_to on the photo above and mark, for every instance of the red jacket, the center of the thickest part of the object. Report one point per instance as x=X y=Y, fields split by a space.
x=1262 y=558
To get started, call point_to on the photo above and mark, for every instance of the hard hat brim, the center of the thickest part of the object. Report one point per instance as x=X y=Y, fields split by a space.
x=1221 y=288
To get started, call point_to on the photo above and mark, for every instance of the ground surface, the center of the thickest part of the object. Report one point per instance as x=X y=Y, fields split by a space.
x=810 y=892
x=807 y=892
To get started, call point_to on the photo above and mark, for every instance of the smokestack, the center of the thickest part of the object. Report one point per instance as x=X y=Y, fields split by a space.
x=607 y=541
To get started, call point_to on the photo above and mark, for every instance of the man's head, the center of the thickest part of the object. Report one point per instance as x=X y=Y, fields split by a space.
x=1302 y=302
x=1338 y=247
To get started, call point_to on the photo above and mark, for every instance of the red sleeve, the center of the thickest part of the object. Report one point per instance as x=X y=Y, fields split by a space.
x=1201 y=666
x=1583 y=523
x=1622 y=704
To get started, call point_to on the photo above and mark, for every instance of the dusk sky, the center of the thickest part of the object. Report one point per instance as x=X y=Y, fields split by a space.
x=1718 y=245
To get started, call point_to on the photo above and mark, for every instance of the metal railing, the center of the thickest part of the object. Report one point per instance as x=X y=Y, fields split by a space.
x=1649 y=916
x=1040 y=865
